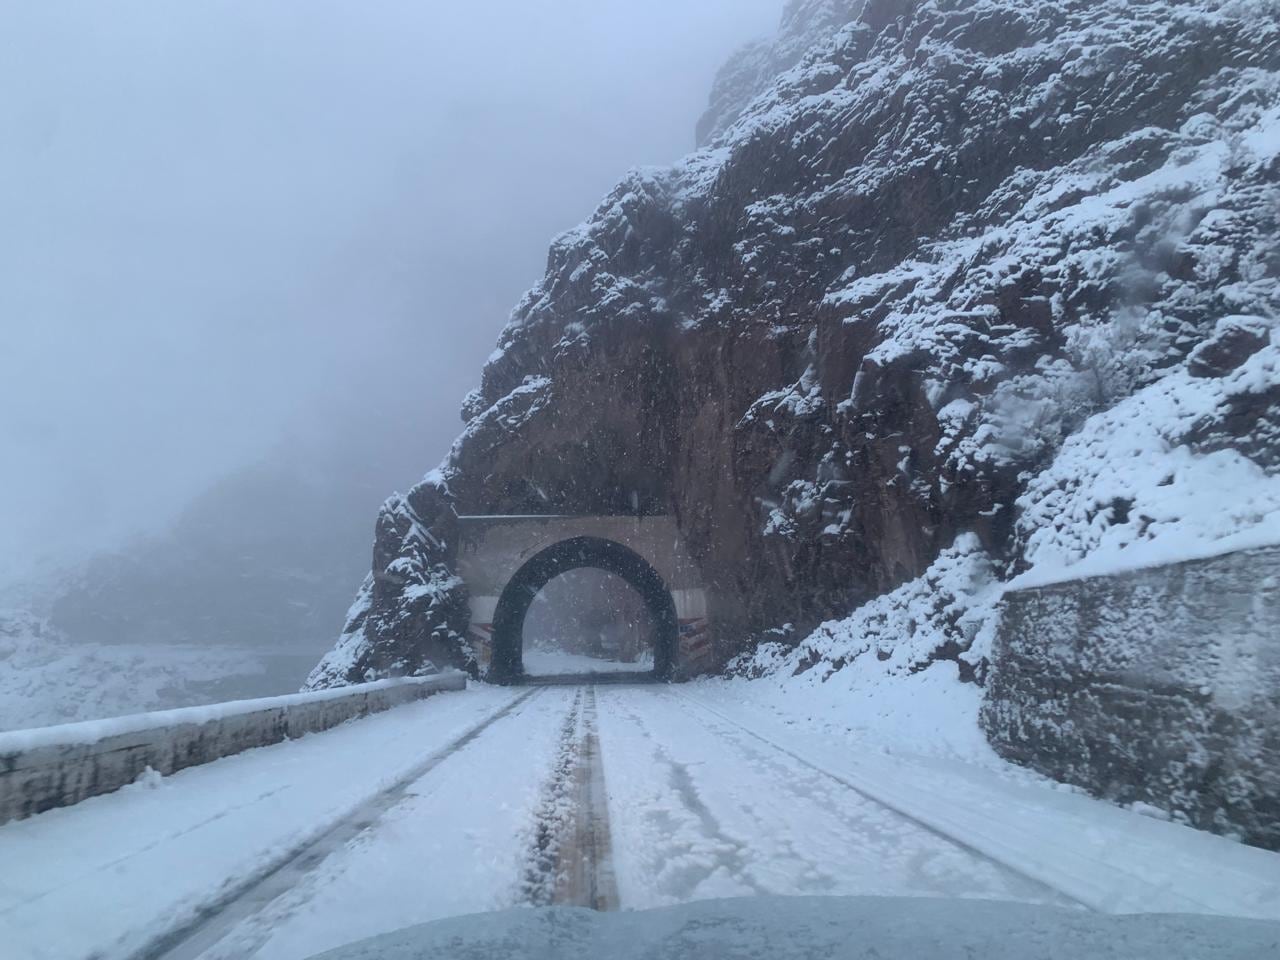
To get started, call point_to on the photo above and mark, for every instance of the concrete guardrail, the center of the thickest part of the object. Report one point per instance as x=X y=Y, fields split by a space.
x=57 y=766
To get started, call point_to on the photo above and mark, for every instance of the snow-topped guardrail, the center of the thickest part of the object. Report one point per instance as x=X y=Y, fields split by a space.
x=57 y=766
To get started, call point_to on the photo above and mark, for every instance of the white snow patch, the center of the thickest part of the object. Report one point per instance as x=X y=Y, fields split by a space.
x=547 y=661
x=46 y=679
x=874 y=674
x=1125 y=491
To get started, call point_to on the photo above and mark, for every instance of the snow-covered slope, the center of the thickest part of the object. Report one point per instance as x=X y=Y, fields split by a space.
x=992 y=268
x=45 y=679
x=891 y=672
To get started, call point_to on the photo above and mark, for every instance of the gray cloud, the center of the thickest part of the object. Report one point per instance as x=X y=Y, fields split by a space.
x=223 y=224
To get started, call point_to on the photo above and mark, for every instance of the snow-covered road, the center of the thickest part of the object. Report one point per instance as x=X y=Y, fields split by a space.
x=700 y=809
x=616 y=796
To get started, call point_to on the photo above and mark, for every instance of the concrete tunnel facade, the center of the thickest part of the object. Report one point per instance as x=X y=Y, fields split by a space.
x=506 y=560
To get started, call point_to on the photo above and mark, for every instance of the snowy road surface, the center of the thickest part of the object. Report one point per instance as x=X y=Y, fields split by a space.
x=613 y=796
x=538 y=663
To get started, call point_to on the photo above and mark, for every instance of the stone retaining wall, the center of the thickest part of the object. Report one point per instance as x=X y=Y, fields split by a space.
x=58 y=766
x=1159 y=686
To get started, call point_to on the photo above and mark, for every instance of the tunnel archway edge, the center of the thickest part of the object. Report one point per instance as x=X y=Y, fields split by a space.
x=576 y=553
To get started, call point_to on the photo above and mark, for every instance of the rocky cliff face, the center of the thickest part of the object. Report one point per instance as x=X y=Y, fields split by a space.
x=924 y=247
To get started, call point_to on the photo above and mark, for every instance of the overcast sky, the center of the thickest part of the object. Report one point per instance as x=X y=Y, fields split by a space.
x=227 y=222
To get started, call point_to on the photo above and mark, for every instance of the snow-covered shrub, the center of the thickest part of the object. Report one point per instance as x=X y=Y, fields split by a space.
x=1133 y=488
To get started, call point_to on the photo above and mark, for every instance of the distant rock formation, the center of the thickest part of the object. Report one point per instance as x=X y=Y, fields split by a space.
x=410 y=617
x=245 y=565
x=924 y=248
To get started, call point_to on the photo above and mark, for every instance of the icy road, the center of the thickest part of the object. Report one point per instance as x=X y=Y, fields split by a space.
x=615 y=797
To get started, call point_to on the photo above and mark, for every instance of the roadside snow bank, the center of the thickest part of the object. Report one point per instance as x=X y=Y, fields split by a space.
x=891 y=672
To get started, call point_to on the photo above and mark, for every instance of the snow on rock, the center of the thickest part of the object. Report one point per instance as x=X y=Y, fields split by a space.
x=1134 y=486
x=945 y=280
x=907 y=268
x=891 y=670
x=411 y=595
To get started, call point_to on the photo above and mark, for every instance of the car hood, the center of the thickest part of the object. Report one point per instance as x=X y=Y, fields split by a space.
x=804 y=928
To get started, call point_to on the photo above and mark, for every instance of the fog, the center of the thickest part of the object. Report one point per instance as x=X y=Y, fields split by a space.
x=231 y=226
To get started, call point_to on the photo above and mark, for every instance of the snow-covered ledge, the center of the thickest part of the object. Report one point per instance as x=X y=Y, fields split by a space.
x=57 y=766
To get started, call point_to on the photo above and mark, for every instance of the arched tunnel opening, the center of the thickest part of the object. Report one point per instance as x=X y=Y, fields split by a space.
x=617 y=608
x=587 y=621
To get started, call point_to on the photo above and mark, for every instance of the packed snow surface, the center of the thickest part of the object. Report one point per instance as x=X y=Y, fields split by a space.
x=877 y=671
x=545 y=662
x=709 y=795
x=104 y=877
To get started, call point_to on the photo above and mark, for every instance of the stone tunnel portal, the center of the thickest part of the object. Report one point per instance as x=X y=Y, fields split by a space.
x=506 y=561
x=573 y=554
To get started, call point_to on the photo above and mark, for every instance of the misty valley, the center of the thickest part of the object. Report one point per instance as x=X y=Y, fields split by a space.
x=748 y=479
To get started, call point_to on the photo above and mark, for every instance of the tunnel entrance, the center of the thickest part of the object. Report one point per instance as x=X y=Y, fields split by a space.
x=583 y=553
x=587 y=621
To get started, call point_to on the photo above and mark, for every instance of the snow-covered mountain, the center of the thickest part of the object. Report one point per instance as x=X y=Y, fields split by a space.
x=247 y=564
x=991 y=285
x=45 y=678
x=237 y=598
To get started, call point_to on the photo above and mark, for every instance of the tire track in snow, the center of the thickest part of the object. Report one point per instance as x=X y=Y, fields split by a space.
x=570 y=861
x=869 y=794
x=168 y=838
x=252 y=894
x=592 y=884
x=808 y=786
x=551 y=821
x=689 y=845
